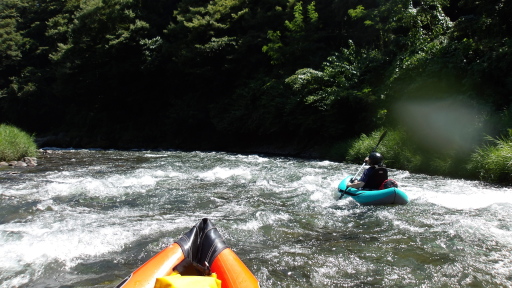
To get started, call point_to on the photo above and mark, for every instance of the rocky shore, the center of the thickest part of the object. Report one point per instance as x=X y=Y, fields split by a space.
x=25 y=162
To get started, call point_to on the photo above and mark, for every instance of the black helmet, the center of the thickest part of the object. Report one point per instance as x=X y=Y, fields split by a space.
x=375 y=158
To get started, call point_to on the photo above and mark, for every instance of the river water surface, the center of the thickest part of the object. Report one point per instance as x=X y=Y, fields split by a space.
x=89 y=218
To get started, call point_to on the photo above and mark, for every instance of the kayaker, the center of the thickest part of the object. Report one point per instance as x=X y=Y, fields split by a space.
x=373 y=176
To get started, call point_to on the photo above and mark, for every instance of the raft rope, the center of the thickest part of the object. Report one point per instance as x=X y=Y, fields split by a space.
x=343 y=192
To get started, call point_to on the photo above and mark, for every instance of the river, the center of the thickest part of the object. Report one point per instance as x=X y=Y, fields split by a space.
x=86 y=218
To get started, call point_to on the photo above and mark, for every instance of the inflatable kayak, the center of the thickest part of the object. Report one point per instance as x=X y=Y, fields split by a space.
x=387 y=196
x=200 y=258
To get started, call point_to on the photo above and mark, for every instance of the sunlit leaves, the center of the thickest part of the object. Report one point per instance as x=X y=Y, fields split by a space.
x=150 y=45
x=109 y=23
x=297 y=24
x=404 y=24
x=126 y=34
x=216 y=44
x=315 y=84
x=297 y=38
x=340 y=78
x=61 y=49
x=305 y=78
x=273 y=49
x=58 y=26
x=358 y=12
x=217 y=14
x=11 y=42
x=312 y=13
x=209 y=25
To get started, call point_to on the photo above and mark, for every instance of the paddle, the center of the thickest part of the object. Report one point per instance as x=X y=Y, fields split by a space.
x=374 y=149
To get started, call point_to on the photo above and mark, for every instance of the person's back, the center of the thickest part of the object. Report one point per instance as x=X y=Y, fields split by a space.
x=376 y=178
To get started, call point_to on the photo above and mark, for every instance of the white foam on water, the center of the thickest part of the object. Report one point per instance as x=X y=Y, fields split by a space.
x=174 y=174
x=455 y=194
x=149 y=155
x=16 y=192
x=252 y=158
x=224 y=173
x=325 y=163
x=142 y=180
x=64 y=234
x=475 y=200
x=263 y=218
x=104 y=185
x=68 y=235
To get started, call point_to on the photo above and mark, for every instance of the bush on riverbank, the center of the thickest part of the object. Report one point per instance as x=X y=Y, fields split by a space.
x=400 y=152
x=15 y=144
x=493 y=161
x=403 y=158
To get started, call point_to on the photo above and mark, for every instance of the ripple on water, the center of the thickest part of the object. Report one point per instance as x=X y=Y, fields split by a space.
x=94 y=217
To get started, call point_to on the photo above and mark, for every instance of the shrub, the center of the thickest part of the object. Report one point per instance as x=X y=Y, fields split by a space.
x=398 y=152
x=492 y=162
x=15 y=144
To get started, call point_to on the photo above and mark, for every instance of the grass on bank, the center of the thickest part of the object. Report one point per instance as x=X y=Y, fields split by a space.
x=15 y=144
x=396 y=150
x=491 y=162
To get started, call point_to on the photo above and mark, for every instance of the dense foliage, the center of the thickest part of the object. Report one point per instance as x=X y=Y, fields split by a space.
x=411 y=155
x=226 y=73
x=493 y=162
x=15 y=144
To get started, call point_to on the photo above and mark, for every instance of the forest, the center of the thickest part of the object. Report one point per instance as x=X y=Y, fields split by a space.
x=303 y=77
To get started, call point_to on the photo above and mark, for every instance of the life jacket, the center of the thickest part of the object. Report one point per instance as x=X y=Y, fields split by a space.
x=378 y=176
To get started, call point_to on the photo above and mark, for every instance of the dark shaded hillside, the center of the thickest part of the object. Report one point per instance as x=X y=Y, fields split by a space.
x=232 y=74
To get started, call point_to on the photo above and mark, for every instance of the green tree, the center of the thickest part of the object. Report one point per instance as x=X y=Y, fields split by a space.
x=103 y=44
x=297 y=43
x=210 y=25
x=481 y=41
x=12 y=42
x=26 y=78
x=343 y=92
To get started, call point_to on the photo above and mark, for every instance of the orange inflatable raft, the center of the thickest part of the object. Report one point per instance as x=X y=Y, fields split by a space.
x=200 y=258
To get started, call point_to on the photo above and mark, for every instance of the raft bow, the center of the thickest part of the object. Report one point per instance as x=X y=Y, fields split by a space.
x=200 y=258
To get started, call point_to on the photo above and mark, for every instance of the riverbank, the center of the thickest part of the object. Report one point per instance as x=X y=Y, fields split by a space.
x=24 y=162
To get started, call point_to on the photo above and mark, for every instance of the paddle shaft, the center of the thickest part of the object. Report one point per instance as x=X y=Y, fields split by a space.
x=374 y=149
x=354 y=178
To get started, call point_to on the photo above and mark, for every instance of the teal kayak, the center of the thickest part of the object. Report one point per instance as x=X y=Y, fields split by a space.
x=373 y=197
